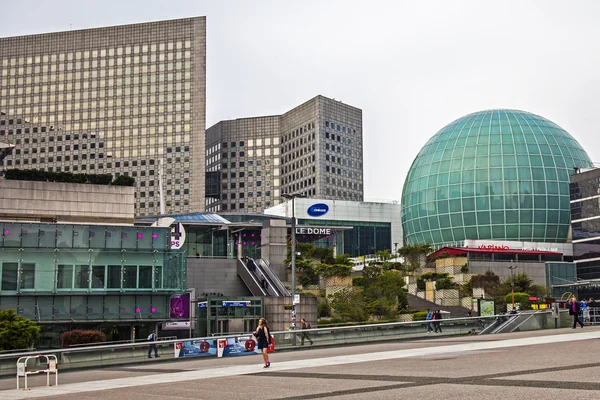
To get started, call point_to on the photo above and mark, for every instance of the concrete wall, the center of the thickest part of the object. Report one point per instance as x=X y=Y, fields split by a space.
x=279 y=318
x=208 y=275
x=535 y=270
x=66 y=202
x=274 y=246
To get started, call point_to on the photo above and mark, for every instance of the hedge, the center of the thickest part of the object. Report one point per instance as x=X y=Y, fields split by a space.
x=67 y=177
x=79 y=336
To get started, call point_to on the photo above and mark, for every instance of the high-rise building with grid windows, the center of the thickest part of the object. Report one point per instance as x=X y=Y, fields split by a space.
x=314 y=149
x=120 y=100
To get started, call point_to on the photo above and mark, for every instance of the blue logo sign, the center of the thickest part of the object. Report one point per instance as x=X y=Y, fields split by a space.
x=317 y=210
x=236 y=304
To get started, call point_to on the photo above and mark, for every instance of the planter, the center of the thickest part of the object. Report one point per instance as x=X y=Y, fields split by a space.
x=339 y=281
x=451 y=262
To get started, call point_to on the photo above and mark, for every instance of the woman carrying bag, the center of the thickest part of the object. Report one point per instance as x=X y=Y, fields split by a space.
x=263 y=339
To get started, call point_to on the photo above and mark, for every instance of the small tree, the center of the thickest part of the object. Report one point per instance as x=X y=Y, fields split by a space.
x=16 y=331
x=349 y=304
x=414 y=256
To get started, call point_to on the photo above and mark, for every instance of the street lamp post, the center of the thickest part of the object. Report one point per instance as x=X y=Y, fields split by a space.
x=512 y=283
x=293 y=196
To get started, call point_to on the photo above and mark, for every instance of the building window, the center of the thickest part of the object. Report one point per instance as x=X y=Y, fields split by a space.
x=9 y=276
x=27 y=276
x=65 y=277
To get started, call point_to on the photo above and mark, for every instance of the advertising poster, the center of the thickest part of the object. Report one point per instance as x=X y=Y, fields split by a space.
x=228 y=347
x=487 y=308
x=195 y=348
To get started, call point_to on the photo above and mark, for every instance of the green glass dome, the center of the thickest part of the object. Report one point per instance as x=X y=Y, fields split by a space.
x=492 y=175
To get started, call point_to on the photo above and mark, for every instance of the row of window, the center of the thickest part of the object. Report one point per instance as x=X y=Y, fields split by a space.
x=298 y=131
x=84 y=277
x=110 y=52
x=338 y=127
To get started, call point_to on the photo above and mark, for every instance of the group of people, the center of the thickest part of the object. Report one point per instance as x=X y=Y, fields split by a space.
x=435 y=317
x=580 y=310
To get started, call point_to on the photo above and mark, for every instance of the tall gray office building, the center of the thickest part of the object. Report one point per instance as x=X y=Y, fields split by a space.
x=123 y=100
x=314 y=149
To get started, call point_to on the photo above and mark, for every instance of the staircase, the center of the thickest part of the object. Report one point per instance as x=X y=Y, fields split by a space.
x=416 y=303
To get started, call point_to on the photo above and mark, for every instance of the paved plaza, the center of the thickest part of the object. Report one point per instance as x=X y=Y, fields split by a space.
x=551 y=364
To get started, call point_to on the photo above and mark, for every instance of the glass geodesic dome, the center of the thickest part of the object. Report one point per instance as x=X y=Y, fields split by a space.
x=492 y=175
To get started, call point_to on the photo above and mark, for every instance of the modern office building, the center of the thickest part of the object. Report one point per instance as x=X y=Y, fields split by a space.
x=71 y=258
x=5 y=150
x=585 y=213
x=315 y=148
x=126 y=100
x=350 y=227
x=496 y=175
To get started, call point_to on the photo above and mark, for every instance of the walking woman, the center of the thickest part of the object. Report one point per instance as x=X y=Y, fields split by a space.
x=263 y=338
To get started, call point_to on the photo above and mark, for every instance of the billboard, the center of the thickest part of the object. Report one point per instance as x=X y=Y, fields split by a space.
x=179 y=306
x=227 y=347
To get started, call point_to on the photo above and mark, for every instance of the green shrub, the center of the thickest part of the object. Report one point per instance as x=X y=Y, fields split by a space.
x=80 y=336
x=464 y=269
x=420 y=316
x=65 y=177
x=444 y=283
x=123 y=180
x=521 y=298
x=323 y=307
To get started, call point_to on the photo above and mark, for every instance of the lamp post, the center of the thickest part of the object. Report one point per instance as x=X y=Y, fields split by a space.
x=293 y=196
x=512 y=283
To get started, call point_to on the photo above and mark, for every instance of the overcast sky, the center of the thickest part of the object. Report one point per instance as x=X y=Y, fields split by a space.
x=412 y=67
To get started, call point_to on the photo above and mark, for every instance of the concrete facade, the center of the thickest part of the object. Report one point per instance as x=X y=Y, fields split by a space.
x=274 y=246
x=534 y=270
x=120 y=99
x=315 y=148
x=217 y=276
x=65 y=202
x=279 y=314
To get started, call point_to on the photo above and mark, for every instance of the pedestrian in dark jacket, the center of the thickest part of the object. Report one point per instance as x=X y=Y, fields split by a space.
x=574 y=310
x=436 y=324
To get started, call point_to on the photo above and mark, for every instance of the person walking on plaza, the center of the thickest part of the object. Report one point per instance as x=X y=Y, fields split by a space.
x=305 y=335
x=574 y=310
x=152 y=338
x=585 y=313
x=438 y=317
x=429 y=317
x=263 y=339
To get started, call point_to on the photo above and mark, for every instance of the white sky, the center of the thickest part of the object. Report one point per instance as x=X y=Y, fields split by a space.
x=412 y=67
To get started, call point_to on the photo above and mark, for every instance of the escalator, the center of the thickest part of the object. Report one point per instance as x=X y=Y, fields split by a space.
x=260 y=279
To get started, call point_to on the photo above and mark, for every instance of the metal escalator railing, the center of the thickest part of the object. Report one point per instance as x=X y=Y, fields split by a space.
x=274 y=280
x=250 y=279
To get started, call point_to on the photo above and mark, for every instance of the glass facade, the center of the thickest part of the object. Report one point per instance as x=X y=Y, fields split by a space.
x=364 y=237
x=74 y=273
x=497 y=175
x=585 y=211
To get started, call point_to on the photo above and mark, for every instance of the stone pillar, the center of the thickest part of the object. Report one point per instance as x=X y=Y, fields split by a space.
x=274 y=246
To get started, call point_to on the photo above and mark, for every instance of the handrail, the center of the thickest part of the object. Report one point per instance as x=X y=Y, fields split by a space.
x=252 y=275
x=525 y=320
x=167 y=342
x=274 y=279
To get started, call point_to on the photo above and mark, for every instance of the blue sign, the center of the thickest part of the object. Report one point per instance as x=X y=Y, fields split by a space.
x=317 y=210
x=236 y=304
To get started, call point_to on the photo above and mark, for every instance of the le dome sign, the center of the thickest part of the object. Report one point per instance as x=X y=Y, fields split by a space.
x=317 y=210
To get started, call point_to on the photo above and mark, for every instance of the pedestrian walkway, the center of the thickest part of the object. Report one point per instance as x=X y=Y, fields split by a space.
x=522 y=364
